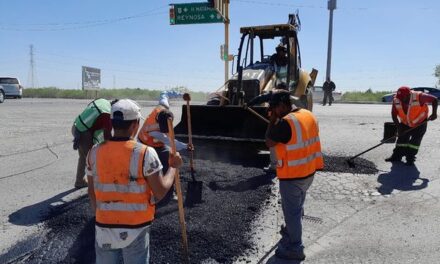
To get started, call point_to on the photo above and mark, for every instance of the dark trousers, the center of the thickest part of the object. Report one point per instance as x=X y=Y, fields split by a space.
x=408 y=144
x=328 y=95
x=84 y=145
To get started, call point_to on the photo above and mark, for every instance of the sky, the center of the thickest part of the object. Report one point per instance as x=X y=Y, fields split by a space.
x=379 y=45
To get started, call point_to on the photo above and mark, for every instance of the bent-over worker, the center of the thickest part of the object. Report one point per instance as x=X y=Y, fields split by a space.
x=294 y=134
x=92 y=126
x=410 y=110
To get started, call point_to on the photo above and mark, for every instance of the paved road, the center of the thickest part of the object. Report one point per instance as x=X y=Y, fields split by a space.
x=385 y=217
x=390 y=216
x=38 y=164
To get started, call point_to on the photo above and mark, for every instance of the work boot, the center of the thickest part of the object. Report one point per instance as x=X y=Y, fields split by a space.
x=270 y=169
x=291 y=255
x=393 y=158
x=80 y=185
x=410 y=161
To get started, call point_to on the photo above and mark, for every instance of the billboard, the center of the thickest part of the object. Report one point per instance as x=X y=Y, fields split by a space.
x=91 y=78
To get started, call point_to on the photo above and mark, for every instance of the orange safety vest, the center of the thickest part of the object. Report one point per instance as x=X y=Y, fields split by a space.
x=150 y=125
x=123 y=196
x=416 y=113
x=302 y=155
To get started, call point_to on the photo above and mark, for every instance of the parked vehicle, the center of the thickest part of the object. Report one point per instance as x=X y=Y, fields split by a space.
x=11 y=87
x=318 y=95
x=2 y=95
x=429 y=90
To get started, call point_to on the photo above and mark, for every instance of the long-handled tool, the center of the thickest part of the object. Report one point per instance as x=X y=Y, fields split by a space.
x=179 y=195
x=350 y=161
x=194 y=188
x=257 y=114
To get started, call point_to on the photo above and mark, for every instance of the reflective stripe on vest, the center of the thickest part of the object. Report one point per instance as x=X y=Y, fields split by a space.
x=121 y=188
x=115 y=206
x=300 y=142
x=416 y=113
x=134 y=161
x=123 y=196
x=150 y=125
x=88 y=117
x=301 y=156
x=98 y=136
x=305 y=160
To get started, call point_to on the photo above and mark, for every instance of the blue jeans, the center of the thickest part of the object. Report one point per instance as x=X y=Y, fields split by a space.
x=293 y=195
x=138 y=252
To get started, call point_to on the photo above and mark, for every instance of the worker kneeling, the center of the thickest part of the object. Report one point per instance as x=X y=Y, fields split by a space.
x=294 y=134
x=125 y=180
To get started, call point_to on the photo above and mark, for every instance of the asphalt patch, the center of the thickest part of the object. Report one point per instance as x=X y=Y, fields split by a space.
x=218 y=228
x=339 y=164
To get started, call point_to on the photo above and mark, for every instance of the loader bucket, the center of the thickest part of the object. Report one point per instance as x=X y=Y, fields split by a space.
x=231 y=123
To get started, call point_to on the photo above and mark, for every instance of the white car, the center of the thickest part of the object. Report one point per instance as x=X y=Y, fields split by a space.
x=2 y=95
x=318 y=95
x=11 y=87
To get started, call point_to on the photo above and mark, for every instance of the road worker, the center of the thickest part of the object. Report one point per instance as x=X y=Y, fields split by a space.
x=154 y=134
x=280 y=61
x=125 y=180
x=410 y=111
x=92 y=126
x=328 y=87
x=294 y=134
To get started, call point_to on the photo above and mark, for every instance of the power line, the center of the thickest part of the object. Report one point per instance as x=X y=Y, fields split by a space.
x=278 y=4
x=57 y=26
x=273 y=3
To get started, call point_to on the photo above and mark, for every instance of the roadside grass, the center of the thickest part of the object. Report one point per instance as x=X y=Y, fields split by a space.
x=367 y=96
x=144 y=94
x=135 y=94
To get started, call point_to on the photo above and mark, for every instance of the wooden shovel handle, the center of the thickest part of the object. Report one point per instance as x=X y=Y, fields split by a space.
x=188 y=117
x=179 y=194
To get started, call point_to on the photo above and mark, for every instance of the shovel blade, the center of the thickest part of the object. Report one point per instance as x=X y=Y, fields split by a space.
x=194 y=192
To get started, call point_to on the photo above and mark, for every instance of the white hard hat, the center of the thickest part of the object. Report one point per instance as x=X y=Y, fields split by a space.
x=164 y=102
x=129 y=110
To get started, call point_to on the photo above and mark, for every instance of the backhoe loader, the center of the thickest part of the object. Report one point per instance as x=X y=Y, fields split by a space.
x=224 y=117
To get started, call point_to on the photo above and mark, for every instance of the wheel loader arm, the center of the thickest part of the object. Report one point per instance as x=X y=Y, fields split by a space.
x=303 y=83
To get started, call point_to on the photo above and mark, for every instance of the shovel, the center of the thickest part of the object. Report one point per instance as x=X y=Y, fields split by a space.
x=350 y=161
x=194 y=188
x=179 y=197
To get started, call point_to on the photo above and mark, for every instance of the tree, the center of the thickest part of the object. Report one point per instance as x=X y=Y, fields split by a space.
x=437 y=72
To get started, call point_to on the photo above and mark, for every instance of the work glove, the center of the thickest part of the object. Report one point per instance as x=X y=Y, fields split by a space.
x=76 y=137
x=162 y=119
x=190 y=147
x=433 y=117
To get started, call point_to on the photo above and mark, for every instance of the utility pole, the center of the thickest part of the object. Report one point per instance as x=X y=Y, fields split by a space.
x=331 y=5
x=31 y=76
x=226 y=40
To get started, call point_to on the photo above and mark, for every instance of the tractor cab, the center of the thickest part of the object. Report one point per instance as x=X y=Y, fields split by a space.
x=255 y=71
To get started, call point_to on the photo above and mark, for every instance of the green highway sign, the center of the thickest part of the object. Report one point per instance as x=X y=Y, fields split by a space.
x=193 y=13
